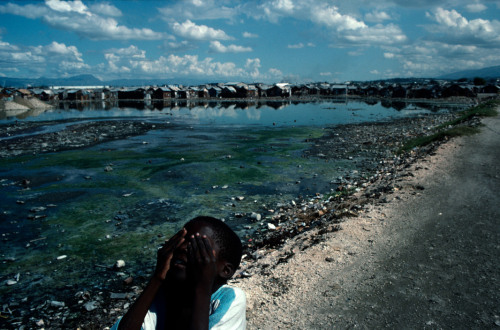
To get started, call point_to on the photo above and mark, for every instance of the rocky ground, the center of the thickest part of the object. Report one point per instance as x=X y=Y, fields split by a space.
x=422 y=255
x=274 y=270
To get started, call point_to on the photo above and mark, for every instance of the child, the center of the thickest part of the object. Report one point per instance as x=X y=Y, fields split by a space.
x=188 y=289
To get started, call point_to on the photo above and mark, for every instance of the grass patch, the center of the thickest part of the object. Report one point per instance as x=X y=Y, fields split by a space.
x=486 y=109
x=450 y=129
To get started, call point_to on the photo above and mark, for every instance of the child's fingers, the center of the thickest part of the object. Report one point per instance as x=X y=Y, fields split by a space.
x=195 y=249
x=179 y=235
x=205 y=256
x=210 y=252
x=176 y=240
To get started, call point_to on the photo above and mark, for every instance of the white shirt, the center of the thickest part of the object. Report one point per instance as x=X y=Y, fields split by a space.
x=227 y=311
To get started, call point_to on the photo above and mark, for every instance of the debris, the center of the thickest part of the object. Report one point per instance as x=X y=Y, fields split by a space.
x=270 y=226
x=119 y=264
x=90 y=306
x=55 y=303
x=255 y=216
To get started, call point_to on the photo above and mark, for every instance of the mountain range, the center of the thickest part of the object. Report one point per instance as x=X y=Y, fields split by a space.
x=90 y=80
x=486 y=73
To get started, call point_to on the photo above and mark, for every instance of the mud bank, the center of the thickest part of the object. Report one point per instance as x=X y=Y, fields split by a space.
x=23 y=138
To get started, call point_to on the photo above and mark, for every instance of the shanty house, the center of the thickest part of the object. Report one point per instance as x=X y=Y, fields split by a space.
x=131 y=94
x=162 y=93
x=214 y=91
x=279 y=90
x=229 y=92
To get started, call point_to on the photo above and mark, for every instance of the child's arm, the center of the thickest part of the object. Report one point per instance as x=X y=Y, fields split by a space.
x=203 y=262
x=135 y=316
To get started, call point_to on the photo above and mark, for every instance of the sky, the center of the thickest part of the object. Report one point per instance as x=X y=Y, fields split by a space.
x=268 y=41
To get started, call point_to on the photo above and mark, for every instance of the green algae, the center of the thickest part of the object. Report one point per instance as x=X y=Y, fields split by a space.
x=189 y=176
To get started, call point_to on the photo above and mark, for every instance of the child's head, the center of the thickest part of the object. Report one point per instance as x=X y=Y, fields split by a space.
x=224 y=240
x=229 y=244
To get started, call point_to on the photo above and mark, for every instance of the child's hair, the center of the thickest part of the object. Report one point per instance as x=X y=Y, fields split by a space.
x=229 y=243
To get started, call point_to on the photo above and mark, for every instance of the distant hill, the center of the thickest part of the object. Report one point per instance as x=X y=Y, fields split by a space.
x=90 y=80
x=489 y=72
x=81 y=80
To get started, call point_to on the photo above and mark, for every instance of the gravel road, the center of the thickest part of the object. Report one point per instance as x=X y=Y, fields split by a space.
x=427 y=259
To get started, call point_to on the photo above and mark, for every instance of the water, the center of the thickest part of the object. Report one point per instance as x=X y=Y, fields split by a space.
x=213 y=155
x=243 y=113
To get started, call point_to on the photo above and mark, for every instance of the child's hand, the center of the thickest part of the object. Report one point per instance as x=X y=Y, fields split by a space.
x=165 y=253
x=202 y=261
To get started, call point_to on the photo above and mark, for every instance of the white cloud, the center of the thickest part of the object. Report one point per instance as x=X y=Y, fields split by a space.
x=455 y=28
x=389 y=55
x=301 y=45
x=273 y=72
x=253 y=66
x=60 y=49
x=331 y=17
x=376 y=72
x=75 y=16
x=132 y=60
x=130 y=52
x=190 y=30
x=342 y=27
x=217 y=47
x=195 y=9
x=378 y=34
x=67 y=6
x=179 y=46
x=29 y=11
x=54 y=59
x=450 y=18
x=5 y=46
x=99 y=28
x=296 y=46
x=432 y=58
x=377 y=16
x=105 y=9
x=325 y=74
x=476 y=7
x=250 y=35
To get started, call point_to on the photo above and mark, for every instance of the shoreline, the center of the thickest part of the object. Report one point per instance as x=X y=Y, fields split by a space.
x=322 y=218
x=395 y=263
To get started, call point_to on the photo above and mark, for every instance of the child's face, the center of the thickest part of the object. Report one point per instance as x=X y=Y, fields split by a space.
x=179 y=263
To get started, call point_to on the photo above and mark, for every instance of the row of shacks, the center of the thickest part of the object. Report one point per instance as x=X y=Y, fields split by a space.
x=216 y=91
x=237 y=90
x=245 y=91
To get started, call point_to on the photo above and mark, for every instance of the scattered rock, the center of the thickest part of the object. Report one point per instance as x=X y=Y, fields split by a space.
x=255 y=216
x=245 y=274
x=38 y=209
x=114 y=295
x=119 y=264
x=270 y=226
x=90 y=306
x=55 y=303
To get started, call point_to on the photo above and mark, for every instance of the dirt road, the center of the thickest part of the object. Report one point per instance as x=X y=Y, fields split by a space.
x=428 y=259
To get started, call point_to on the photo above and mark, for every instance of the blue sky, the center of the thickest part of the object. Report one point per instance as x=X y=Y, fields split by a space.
x=252 y=41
